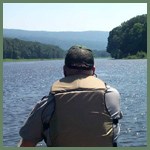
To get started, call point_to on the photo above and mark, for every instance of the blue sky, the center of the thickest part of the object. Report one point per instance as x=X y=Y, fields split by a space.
x=69 y=16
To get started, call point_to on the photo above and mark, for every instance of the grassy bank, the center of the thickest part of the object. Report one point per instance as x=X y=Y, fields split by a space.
x=26 y=60
x=138 y=55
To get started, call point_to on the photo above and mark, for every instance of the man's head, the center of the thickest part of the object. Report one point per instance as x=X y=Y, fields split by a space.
x=79 y=60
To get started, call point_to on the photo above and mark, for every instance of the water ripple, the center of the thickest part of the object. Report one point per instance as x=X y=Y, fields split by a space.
x=26 y=82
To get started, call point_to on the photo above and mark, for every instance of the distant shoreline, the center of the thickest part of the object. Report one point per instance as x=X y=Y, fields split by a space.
x=39 y=59
x=26 y=60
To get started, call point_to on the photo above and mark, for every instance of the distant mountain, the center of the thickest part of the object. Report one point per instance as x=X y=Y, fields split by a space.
x=91 y=39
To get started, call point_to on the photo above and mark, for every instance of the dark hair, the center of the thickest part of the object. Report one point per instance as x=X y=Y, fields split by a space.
x=79 y=57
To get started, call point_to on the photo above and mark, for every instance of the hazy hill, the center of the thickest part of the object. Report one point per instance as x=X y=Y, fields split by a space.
x=92 y=39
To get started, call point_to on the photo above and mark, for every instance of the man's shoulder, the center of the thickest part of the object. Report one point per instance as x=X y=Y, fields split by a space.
x=111 y=89
x=43 y=102
x=47 y=98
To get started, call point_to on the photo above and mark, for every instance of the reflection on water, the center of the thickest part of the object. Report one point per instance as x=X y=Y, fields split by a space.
x=24 y=83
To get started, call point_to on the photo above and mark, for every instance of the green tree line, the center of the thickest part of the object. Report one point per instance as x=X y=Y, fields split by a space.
x=16 y=49
x=20 y=49
x=129 y=40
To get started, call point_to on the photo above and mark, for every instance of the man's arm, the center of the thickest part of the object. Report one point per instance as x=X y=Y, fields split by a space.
x=112 y=100
x=32 y=131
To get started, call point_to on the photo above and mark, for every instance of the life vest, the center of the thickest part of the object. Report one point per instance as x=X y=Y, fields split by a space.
x=80 y=118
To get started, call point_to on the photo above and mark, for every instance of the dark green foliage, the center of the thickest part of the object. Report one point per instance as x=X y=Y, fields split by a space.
x=129 y=38
x=15 y=49
x=101 y=53
x=138 y=55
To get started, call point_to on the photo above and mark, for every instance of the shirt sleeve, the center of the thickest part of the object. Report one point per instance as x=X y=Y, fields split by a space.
x=33 y=127
x=112 y=100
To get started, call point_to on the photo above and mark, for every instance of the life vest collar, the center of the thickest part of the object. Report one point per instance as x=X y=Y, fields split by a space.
x=77 y=82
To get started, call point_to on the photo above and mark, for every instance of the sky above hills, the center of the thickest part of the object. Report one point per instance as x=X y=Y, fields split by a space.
x=69 y=16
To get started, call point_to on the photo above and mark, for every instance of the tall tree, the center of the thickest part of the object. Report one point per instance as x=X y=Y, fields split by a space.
x=129 y=38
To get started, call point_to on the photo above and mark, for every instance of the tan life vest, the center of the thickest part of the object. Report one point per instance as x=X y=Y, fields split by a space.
x=80 y=118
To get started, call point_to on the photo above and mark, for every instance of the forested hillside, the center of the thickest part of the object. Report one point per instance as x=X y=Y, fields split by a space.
x=15 y=49
x=19 y=49
x=129 y=40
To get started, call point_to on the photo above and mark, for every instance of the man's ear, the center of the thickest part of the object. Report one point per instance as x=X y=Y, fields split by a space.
x=93 y=69
x=64 y=70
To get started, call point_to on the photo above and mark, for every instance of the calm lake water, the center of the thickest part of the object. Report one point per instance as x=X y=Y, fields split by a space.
x=24 y=83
